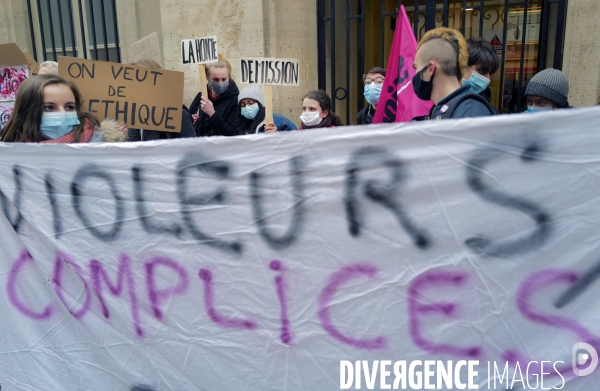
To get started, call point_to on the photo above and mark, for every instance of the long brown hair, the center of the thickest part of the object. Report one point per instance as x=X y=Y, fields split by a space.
x=24 y=123
x=325 y=103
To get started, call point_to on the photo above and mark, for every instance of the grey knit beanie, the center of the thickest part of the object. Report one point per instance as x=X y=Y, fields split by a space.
x=550 y=84
x=251 y=92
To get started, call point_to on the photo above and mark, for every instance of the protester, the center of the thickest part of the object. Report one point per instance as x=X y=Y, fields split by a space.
x=316 y=111
x=373 y=82
x=441 y=56
x=48 y=68
x=252 y=114
x=482 y=64
x=48 y=110
x=187 y=128
x=218 y=115
x=547 y=90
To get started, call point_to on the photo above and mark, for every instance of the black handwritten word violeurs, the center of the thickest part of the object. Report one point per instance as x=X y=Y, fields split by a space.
x=215 y=187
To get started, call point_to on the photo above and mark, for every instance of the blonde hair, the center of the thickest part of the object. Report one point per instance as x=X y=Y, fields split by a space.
x=148 y=63
x=50 y=65
x=222 y=63
x=438 y=41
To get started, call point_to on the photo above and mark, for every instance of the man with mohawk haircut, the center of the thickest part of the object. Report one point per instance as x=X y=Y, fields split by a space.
x=441 y=56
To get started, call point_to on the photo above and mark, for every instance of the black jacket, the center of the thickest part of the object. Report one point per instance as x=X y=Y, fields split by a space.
x=465 y=109
x=187 y=130
x=224 y=121
x=365 y=116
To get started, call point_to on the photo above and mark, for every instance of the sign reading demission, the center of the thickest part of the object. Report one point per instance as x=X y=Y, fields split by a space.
x=265 y=262
x=270 y=71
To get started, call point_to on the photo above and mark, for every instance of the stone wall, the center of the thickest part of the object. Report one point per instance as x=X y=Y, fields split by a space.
x=244 y=28
x=581 y=60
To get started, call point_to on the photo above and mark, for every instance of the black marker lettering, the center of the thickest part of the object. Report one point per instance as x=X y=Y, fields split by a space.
x=292 y=234
x=477 y=165
x=188 y=202
x=82 y=175
x=381 y=193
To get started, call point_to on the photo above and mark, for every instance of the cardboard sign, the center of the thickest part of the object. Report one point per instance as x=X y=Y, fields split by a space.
x=199 y=50
x=10 y=80
x=6 y=110
x=11 y=55
x=34 y=67
x=146 y=48
x=13 y=70
x=271 y=263
x=141 y=97
x=270 y=71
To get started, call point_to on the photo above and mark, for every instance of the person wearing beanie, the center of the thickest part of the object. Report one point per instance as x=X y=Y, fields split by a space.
x=547 y=90
x=441 y=57
x=252 y=114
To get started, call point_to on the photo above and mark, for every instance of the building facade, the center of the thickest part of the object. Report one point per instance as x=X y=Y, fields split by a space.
x=335 y=40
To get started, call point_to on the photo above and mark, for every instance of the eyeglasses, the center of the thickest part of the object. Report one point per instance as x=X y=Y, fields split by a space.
x=377 y=80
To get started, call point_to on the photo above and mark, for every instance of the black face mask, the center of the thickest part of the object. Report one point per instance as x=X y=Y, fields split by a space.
x=421 y=87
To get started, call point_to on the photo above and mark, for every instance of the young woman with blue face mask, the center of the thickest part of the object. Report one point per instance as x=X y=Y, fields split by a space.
x=217 y=113
x=481 y=65
x=252 y=114
x=373 y=85
x=48 y=110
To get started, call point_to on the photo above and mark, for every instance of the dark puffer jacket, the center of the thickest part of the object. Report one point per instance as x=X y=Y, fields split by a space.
x=224 y=121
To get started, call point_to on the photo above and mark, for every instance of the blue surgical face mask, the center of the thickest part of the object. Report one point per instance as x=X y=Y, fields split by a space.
x=534 y=109
x=373 y=93
x=477 y=82
x=56 y=124
x=250 y=111
x=219 y=88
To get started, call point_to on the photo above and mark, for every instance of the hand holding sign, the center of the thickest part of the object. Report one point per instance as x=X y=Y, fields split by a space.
x=270 y=128
x=207 y=106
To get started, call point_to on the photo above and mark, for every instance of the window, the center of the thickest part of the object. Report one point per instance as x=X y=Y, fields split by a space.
x=76 y=28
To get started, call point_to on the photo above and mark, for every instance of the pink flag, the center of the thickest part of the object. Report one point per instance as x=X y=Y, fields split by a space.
x=398 y=102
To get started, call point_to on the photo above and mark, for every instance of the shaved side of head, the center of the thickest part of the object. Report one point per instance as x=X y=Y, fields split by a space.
x=443 y=53
x=447 y=47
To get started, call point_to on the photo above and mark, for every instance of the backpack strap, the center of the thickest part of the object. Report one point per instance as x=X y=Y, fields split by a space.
x=450 y=112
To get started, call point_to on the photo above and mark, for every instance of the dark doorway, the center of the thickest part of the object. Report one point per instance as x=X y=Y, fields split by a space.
x=355 y=35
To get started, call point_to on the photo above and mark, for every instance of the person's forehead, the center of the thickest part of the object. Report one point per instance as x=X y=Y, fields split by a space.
x=219 y=72
x=417 y=59
x=310 y=102
x=373 y=75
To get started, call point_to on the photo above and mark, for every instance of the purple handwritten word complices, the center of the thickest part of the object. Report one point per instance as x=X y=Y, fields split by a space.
x=122 y=285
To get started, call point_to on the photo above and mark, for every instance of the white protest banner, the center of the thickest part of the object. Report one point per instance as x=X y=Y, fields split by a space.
x=270 y=71
x=146 y=48
x=276 y=262
x=199 y=50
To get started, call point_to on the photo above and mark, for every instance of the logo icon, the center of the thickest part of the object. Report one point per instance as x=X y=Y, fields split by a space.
x=584 y=353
